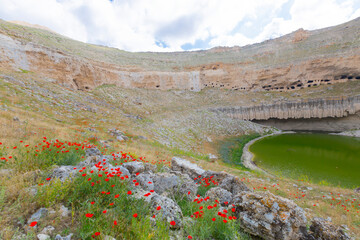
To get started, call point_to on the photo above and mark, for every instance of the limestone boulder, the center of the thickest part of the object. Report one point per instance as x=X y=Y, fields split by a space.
x=270 y=217
x=134 y=167
x=175 y=184
x=218 y=193
x=93 y=152
x=323 y=229
x=185 y=166
x=233 y=185
x=63 y=172
x=169 y=211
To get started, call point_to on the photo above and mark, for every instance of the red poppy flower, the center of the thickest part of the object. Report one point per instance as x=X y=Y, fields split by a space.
x=172 y=223
x=224 y=221
x=189 y=237
x=89 y=215
x=115 y=222
x=33 y=224
x=92 y=202
x=97 y=233
x=158 y=208
x=135 y=215
x=129 y=192
x=213 y=219
x=48 y=179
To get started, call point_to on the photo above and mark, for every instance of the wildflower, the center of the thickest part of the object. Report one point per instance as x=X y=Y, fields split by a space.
x=172 y=223
x=89 y=215
x=33 y=224
x=158 y=208
x=129 y=192
x=135 y=215
x=213 y=219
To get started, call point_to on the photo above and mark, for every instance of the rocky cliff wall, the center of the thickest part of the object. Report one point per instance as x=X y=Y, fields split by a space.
x=299 y=60
x=313 y=108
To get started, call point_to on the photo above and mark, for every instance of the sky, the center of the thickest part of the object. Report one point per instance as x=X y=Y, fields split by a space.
x=178 y=25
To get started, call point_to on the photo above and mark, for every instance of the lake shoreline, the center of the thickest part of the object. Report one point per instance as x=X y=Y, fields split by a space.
x=247 y=156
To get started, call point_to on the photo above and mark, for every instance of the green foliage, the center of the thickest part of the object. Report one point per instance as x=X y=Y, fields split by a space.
x=205 y=228
x=179 y=152
x=102 y=194
x=55 y=192
x=202 y=189
x=30 y=159
x=231 y=149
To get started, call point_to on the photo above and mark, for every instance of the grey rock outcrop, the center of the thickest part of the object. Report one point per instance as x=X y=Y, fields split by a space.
x=38 y=215
x=63 y=172
x=169 y=211
x=313 y=108
x=217 y=193
x=269 y=216
x=42 y=236
x=134 y=167
x=47 y=230
x=92 y=152
x=185 y=166
x=233 y=185
x=322 y=229
x=59 y=237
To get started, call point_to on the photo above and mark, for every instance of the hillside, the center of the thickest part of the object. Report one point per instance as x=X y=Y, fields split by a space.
x=145 y=113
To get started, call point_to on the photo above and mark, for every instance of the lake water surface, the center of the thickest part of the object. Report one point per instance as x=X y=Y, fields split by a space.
x=319 y=157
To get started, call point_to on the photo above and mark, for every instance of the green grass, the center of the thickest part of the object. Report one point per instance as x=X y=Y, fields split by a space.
x=121 y=211
x=231 y=149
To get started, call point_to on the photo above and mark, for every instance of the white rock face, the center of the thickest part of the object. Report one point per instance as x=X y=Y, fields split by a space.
x=313 y=108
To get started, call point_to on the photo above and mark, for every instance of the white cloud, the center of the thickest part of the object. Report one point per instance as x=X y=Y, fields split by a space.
x=137 y=25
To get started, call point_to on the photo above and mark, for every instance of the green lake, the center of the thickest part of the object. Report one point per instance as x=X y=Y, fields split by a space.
x=320 y=158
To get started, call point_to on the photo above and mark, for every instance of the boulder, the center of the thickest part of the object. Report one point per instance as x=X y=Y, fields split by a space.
x=64 y=211
x=38 y=215
x=63 y=172
x=134 y=167
x=323 y=229
x=165 y=182
x=139 y=193
x=270 y=217
x=169 y=211
x=216 y=176
x=175 y=183
x=43 y=237
x=150 y=167
x=59 y=237
x=92 y=152
x=233 y=185
x=184 y=166
x=48 y=230
x=145 y=180
x=218 y=193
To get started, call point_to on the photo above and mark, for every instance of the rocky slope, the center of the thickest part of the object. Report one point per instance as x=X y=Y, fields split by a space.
x=299 y=60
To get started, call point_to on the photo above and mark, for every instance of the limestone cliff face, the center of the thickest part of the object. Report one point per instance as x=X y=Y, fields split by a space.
x=314 y=108
x=299 y=60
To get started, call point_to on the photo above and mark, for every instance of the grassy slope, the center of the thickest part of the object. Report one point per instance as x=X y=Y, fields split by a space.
x=47 y=109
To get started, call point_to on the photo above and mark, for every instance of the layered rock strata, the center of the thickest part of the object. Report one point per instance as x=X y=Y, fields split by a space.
x=313 y=108
x=298 y=60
